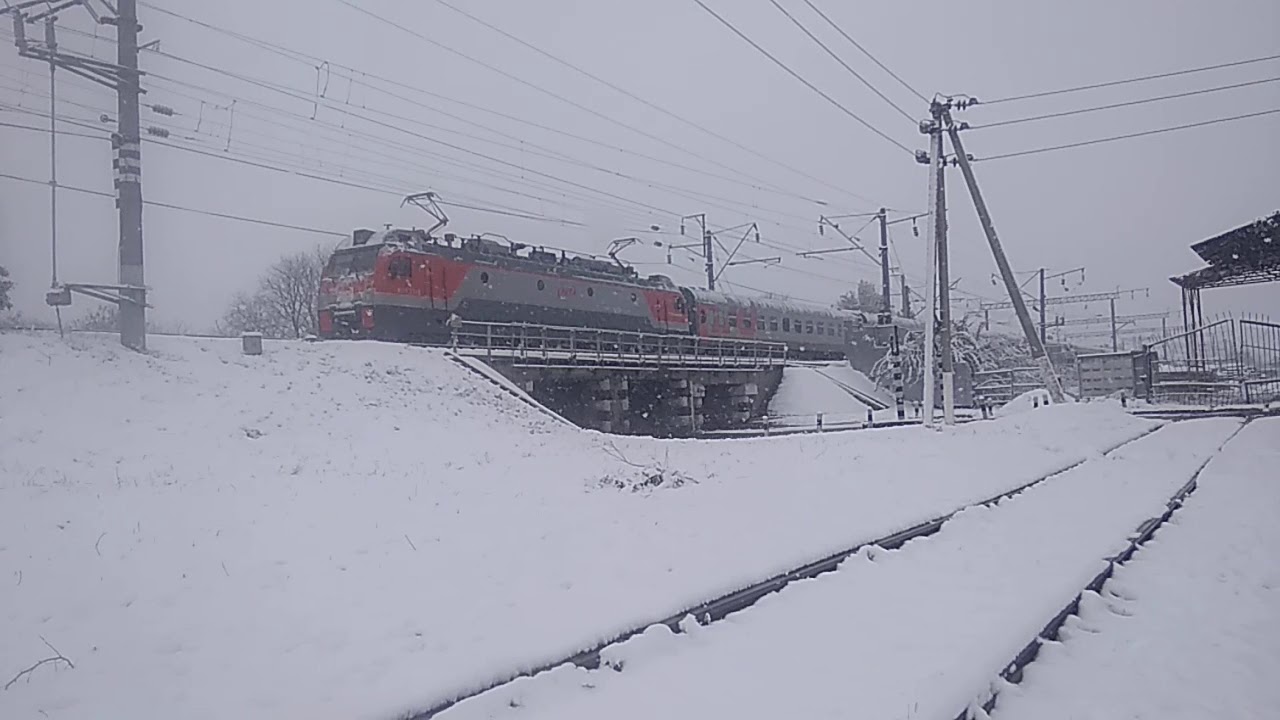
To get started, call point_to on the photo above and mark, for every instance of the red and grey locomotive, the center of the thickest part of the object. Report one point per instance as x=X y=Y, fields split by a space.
x=403 y=285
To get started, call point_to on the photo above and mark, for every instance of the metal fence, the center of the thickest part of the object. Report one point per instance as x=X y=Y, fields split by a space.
x=556 y=346
x=1224 y=362
x=997 y=387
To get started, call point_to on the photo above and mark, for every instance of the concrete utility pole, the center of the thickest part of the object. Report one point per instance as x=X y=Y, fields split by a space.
x=906 y=296
x=1042 y=303
x=1114 y=344
x=944 y=291
x=1050 y=378
x=51 y=41
x=934 y=159
x=128 y=165
x=124 y=78
x=886 y=301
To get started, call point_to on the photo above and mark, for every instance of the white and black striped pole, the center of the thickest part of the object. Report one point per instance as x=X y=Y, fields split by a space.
x=899 y=392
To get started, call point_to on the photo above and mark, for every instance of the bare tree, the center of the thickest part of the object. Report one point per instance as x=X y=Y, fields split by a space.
x=289 y=289
x=867 y=297
x=249 y=313
x=284 y=304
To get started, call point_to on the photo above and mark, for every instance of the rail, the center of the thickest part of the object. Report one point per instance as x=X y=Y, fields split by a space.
x=558 y=346
x=720 y=607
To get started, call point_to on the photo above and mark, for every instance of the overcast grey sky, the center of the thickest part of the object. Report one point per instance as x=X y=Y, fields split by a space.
x=1127 y=211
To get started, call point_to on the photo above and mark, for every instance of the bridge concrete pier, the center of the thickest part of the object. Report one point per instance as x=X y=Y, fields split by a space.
x=667 y=402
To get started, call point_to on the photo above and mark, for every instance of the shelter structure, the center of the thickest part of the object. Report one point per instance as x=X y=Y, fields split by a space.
x=1246 y=255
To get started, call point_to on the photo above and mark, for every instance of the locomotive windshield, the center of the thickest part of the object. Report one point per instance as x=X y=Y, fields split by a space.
x=351 y=260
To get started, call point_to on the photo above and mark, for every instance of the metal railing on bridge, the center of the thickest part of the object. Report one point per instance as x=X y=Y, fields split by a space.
x=558 y=346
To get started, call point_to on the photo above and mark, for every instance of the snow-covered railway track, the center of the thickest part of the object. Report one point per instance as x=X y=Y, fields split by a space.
x=716 y=609
x=912 y=632
x=1013 y=672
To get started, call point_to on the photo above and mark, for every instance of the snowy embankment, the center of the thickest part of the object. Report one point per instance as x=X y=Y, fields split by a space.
x=837 y=391
x=916 y=632
x=1190 y=627
x=358 y=530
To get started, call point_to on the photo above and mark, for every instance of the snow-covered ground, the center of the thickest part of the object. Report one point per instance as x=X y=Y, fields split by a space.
x=913 y=633
x=358 y=529
x=834 y=389
x=1190 y=628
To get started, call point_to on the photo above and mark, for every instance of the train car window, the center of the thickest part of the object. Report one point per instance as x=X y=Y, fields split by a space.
x=542 y=285
x=786 y=324
x=822 y=330
x=831 y=331
x=746 y=323
x=733 y=321
x=680 y=304
x=484 y=278
x=400 y=267
x=702 y=316
x=773 y=324
x=808 y=327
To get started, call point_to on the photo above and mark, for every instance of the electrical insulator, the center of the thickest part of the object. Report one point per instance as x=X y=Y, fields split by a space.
x=162 y=110
x=158 y=132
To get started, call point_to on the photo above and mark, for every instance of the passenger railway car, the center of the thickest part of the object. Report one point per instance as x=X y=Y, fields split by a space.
x=403 y=285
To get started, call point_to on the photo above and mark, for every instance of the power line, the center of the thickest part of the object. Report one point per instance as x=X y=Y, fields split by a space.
x=342 y=109
x=678 y=191
x=1127 y=103
x=642 y=100
x=279 y=166
x=864 y=51
x=541 y=89
x=1128 y=136
x=840 y=60
x=45 y=130
x=421 y=136
x=183 y=208
x=797 y=76
x=1126 y=81
x=313 y=62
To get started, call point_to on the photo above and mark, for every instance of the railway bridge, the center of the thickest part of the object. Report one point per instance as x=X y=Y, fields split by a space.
x=631 y=382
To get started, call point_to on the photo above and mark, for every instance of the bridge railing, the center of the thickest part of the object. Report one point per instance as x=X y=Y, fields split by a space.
x=554 y=345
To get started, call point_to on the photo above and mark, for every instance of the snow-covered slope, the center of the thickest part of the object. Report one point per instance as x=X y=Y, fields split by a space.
x=357 y=529
x=834 y=389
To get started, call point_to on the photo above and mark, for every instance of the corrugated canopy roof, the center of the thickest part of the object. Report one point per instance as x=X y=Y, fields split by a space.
x=1246 y=255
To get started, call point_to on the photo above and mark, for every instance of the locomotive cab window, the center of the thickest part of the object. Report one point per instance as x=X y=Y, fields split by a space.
x=400 y=267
